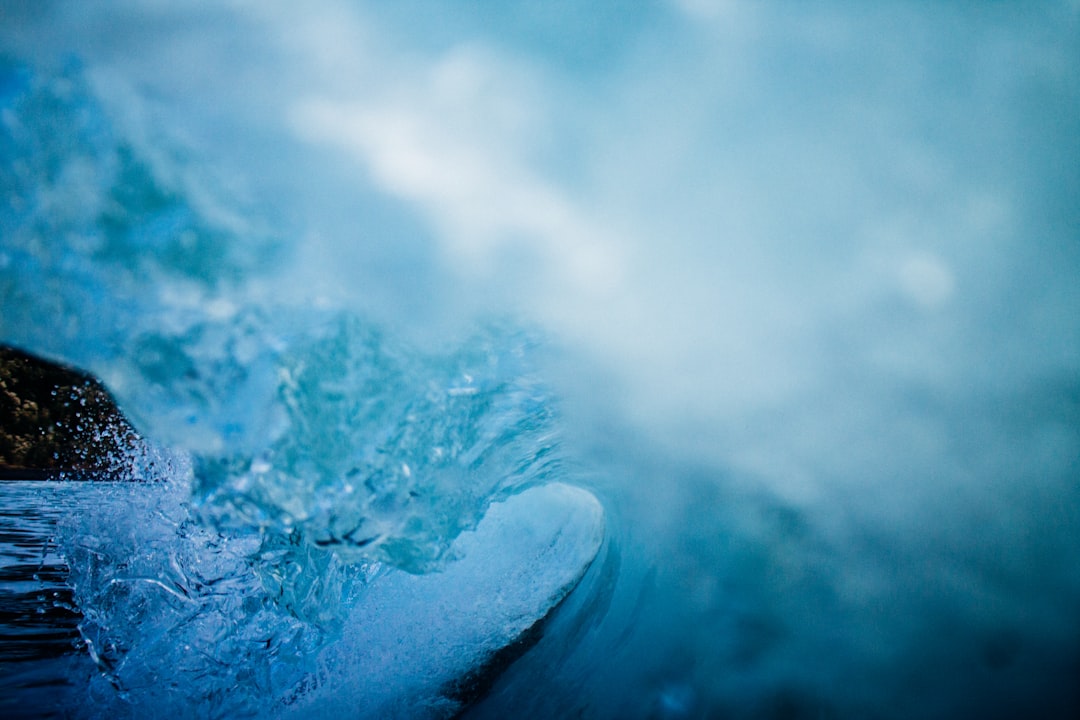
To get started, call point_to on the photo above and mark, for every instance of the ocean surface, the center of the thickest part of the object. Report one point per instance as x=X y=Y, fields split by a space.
x=790 y=289
x=39 y=637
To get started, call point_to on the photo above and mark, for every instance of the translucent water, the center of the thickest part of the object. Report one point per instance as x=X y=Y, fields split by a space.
x=790 y=289
x=319 y=446
x=299 y=417
x=117 y=604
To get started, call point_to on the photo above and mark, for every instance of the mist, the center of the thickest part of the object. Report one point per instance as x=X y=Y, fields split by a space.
x=807 y=278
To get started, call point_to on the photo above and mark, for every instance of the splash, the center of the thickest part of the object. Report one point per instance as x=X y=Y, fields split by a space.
x=813 y=270
x=311 y=447
x=301 y=419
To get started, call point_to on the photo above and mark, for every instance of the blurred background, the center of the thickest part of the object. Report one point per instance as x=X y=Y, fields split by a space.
x=804 y=278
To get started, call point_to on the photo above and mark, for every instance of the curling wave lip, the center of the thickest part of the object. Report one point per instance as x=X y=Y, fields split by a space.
x=424 y=646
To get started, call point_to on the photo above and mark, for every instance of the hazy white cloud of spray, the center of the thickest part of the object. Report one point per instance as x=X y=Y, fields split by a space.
x=742 y=214
x=757 y=222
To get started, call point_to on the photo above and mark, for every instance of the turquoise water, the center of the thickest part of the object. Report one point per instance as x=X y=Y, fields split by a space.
x=792 y=291
x=116 y=604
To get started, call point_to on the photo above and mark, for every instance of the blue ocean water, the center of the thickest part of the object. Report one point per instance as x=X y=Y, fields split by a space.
x=791 y=291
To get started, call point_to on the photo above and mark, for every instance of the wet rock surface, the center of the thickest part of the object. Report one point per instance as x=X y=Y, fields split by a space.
x=56 y=421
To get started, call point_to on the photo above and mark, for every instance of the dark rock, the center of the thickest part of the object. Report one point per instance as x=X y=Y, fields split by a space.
x=58 y=421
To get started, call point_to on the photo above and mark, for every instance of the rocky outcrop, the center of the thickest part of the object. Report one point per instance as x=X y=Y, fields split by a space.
x=55 y=420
